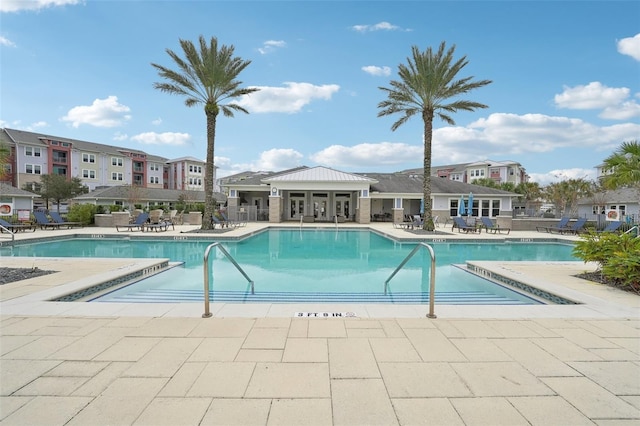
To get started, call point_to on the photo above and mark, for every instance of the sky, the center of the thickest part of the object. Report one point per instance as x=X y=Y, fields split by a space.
x=565 y=89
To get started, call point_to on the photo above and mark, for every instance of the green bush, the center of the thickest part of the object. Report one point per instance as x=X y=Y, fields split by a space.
x=617 y=256
x=114 y=208
x=82 y=213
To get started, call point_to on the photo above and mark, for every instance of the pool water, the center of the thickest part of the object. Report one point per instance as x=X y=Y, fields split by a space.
x=310 y=266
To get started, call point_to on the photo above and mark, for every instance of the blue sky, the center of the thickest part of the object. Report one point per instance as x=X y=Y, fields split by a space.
x=565 y=91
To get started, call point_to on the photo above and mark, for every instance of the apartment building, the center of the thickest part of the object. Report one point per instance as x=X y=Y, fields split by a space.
x=97 y=165
x=499 y=171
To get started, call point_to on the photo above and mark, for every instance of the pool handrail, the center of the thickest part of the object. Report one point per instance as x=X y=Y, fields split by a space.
x=634 y=227
x=207 y=312
x=432 y=283
x=11 y=234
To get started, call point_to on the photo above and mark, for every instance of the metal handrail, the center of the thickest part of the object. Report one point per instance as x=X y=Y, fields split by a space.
x=632 y=228
x=13 y=237
x=301 y=217
x=432 y=283
x=336 y=220
x=207 y=312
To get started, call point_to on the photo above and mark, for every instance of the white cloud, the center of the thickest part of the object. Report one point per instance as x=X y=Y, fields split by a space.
x=377 y=71
x=270 y=45
x=102 y=113
x=380 y=26
x=289 y=99
x=167 y=138
x=624 y=111
x=367 y=155
x=592 y=96
x=562 y=174
x=272 y=160
x=6 y=42
x=630 y=46
x=118 y=136
x=18 y=5
x=157 y=121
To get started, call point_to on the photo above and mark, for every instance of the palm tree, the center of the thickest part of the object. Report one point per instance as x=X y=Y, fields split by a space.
x=624 y=166
x=429 y=85
x=207 y=76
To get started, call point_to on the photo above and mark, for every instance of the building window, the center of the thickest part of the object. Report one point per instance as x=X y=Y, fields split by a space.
x=88 y=158
x=88 y=174
x=115 y=161
x=153 y=167
x=597 y=209
x=453 y=208
x=116 y=176
x=190 y=169
x=31 y=151
x=495 y=208
x=33 y=169
x=154 y=179
x=199 y=169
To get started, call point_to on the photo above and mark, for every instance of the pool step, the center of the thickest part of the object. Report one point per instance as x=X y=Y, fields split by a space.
x=444 y=298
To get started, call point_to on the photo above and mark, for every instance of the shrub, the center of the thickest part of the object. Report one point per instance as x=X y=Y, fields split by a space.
x=114 y=208
x=82 y=213
x=617 y=255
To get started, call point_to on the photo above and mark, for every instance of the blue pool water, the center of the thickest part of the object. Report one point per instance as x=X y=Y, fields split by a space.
x=309 y=266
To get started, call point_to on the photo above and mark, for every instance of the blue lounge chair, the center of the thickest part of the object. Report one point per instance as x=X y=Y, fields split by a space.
x=58 y=219
x=459 y=223
x=561 y=225
x=43 y=221
x=574 y=228
x=611 y=227
x=215 y=221
x=138 y=224
x=489 y=226
x=13 y=228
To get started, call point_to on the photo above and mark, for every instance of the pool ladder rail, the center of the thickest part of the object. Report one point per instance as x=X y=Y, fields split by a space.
x=432 y=279
x=207 y=311
x=432 y=283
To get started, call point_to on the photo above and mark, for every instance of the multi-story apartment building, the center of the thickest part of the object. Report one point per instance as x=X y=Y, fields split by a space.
x=499 y=171
x=97 y=165
x=186 y=173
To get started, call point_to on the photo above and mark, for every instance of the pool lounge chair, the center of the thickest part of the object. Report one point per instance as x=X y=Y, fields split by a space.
x=611 y=227
x=223 y=224
x=573 y=228
x=459 y=223
x=235 y=223
x=161 y=226
x=561 y=225
x=43 y=221
x=489 y=226
x=13 y=228
x=138 y=224
x=58 y=219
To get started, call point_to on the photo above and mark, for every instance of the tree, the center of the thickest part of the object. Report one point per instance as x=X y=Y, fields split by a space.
x=5 y=153
x=58 y=188
x=565 y=195
x=208 y=77
x=623 y=166
x=429 y=85
x=530 y=193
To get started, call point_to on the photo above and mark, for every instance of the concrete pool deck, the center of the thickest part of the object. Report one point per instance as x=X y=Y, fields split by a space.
x=77 y=363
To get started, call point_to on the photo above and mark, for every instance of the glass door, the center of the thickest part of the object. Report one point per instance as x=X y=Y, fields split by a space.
x=296 y=206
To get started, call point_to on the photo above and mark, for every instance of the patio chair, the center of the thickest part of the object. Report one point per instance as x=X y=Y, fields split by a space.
x=489 y=226
x=561 y=225
x=58 y=219
x=574 y=228
x=43 y=221
x=138 y=224
x=215 y=221
x=13 y=228
x=459 y=223
x=233 y=223
x=161 y=226
x=611 y=227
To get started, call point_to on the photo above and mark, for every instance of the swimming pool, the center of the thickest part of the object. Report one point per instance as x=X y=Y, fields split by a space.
x=317 y=266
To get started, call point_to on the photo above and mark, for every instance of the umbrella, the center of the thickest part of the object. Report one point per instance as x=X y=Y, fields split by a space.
x=470 y=204
x=461 y=208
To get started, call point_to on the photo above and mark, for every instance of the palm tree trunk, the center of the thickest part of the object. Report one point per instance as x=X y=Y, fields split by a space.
x=209 y=200
x=427 y=117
